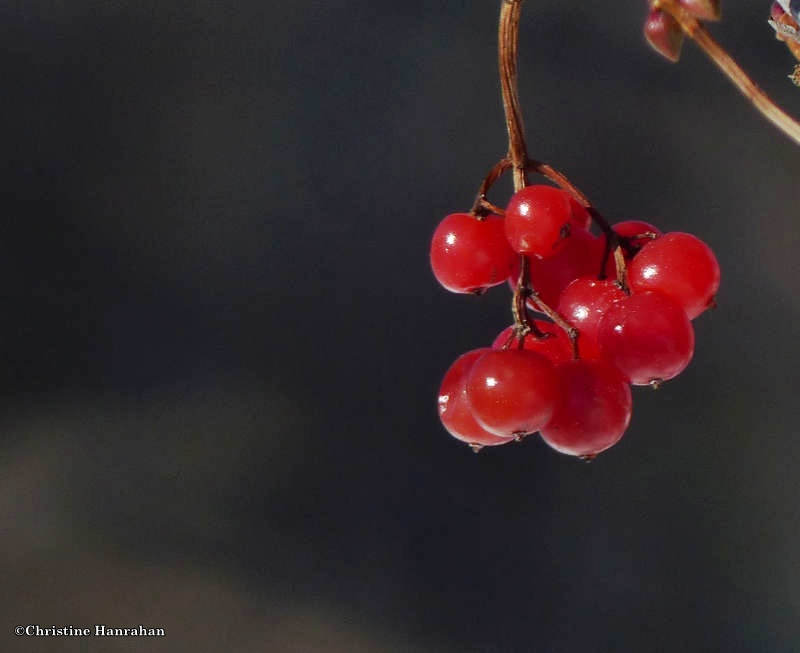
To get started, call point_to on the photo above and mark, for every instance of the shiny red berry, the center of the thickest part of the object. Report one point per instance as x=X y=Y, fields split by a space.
x=594 y=409
x=454 y=411
x=583 y=304
x=679 y=265
x=554 y=346
x=581 y=217
x=581 y=256
x=634 y=233
x=538 y=220
x=470 y=255
x=648 y=337
x=512 y=391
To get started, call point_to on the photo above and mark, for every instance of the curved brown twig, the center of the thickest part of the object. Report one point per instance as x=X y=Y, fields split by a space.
x=760 y=100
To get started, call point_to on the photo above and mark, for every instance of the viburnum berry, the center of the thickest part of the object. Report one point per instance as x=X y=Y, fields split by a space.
x=635 y=234
x=538 y=220
x=469 y=255
x=679 y=265
x=554 y=346
x=594 y=409
x=581 y=256
x=583 y=304
x=512 y=392
x=454 y=411
x=648 y=337
x=581 y=218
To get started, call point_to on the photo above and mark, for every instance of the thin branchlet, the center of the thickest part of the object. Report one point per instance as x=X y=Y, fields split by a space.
x=760 y=100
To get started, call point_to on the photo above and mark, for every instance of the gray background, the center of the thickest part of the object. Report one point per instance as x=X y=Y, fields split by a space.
x=221 y=340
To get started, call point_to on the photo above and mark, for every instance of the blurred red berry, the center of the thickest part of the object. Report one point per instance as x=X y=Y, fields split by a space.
x=664 y=33
x=594 y=409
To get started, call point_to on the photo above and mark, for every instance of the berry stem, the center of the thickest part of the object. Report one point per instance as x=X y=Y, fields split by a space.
x=522 y=324
x=694 y=30
x=614 y=243
x=562 y=181
x=508 y=45
x=571 y=331
x=507 y=48
x=619 y=264
x=482 y=206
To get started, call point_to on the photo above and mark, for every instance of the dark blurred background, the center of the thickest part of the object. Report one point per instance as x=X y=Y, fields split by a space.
x=222 y=342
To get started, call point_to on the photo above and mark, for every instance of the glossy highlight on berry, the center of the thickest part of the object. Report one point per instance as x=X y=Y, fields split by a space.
x=469 y=255
x=647 y=337
x=512 y=392
x=583 y=304
x=454 y=411
x=681 y=266
x=538 y=220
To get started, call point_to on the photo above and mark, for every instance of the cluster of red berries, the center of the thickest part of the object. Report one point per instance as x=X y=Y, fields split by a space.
x=623 y=320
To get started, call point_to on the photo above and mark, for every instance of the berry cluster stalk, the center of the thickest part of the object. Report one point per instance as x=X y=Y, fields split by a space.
x=508 y=43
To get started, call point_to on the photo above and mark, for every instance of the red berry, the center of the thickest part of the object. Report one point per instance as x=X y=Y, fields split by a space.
x=681 y=266
x=581 y=217
x=470 y=255
x=582 y=256
x=594 y=410
x=537 y=220
x=454 y=411
x=555 y=347
x=583 y=304
x=512 y=391
x=648 y=337
x=632 y=231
